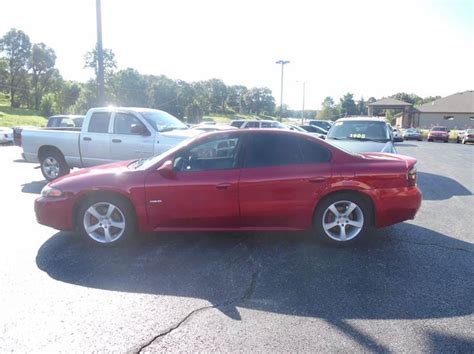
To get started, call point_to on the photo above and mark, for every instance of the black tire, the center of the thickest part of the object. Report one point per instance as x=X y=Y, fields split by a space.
x=125 y=210
x=53 y=157
x=458 y=140
x=364 y=206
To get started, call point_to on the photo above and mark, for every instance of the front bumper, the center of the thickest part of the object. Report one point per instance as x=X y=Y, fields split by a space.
x=55 y=212
x=394 y=205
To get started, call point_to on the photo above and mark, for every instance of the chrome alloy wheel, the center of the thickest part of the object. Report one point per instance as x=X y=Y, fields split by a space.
x=104 y=222
x=343 y=220
x=51 y=167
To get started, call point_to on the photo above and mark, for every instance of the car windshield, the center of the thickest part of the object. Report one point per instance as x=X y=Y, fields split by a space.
x=411 y=130
x=439 y=129
x=162 y=121
x=359 y=130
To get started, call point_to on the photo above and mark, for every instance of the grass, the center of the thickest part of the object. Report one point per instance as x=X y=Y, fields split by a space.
x=10 y=117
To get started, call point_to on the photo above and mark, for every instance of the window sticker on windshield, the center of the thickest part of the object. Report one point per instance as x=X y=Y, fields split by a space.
x=357 y=136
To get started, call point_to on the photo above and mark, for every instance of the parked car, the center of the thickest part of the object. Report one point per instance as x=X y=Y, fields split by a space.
x=465 y=136
x=245 y=124
x=314 y=129
x=298 y=128
x=362 y=134
x=107 y=135
x=439 y=133
x=212 y=128
x=412 y=134
x=6 y=135
x=65 y=121
x=237 y=180
x=324 y=124
x=397 y=135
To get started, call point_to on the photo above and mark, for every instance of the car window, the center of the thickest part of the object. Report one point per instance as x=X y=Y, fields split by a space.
x=252 y=125
x=312 y=152
x=124 y=122
x=270 y=125
x=353 y=129
x=237 y=123
x=216 y=154
x=265 y=150
x=99 y=122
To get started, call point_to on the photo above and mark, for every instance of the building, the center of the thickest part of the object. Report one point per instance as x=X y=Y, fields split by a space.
x=454 y=111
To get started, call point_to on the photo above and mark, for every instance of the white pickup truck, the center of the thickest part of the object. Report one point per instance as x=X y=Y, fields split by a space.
x=107 y=135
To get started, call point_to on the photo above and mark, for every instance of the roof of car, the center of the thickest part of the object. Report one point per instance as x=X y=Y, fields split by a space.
x=362 y=118
x=67 y=116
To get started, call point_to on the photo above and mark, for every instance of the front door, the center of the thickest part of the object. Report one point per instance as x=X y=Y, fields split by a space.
x=282 y=176
x=203 y=192
x=130 y=139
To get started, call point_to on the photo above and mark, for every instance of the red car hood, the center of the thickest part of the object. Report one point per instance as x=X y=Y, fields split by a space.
x=111 y=168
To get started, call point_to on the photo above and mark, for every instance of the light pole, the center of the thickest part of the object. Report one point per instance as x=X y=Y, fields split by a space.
x=100 y=55
x=282 y=62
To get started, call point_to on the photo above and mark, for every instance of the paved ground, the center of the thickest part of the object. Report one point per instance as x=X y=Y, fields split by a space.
x=411 y=288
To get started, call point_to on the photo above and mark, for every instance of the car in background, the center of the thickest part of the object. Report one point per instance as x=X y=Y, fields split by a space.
x=246 y=124
x=412 y=134
x=212 y=128
x=397 y=134
x=324 y=124
x=315 y=129
x=439 y=133
x=362 y=134
x=239 y=180
x=465 y=136
x=108 y=134
x=298 y=128
x=65 y=121
x=6 y=135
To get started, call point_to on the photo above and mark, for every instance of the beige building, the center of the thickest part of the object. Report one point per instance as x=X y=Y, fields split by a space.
x=455 y=112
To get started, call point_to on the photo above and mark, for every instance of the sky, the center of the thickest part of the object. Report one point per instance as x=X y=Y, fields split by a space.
x=369 y=48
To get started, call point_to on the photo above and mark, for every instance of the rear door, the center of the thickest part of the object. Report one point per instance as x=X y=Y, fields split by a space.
x=281 y=178
x=95 y=142
x=130 y=138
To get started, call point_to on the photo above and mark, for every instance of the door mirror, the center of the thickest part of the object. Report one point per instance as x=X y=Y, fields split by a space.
x=166 y=169
x=139 y=129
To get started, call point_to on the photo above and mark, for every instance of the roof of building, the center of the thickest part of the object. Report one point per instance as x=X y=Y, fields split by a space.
x=389 y=102
x=461 y=102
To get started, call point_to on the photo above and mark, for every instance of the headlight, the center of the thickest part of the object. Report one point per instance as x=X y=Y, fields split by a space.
x=50 y=192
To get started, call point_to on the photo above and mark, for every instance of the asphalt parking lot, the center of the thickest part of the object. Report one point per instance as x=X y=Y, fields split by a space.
x=409 y=288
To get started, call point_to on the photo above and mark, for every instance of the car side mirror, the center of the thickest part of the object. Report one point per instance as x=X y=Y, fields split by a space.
x=166 y=169
x=139 y=129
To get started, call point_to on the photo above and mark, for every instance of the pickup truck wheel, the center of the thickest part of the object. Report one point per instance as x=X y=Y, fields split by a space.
x=343 y=219
x=54 y=166
x=106 y=220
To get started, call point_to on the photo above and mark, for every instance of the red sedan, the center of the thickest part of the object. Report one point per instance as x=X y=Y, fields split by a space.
x=263 y=180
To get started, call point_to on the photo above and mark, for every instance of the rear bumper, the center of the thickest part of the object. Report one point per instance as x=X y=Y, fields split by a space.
x=55 y=212
x=394 y=205
x=438 y=137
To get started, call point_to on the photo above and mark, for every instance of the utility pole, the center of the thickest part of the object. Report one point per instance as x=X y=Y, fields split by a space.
x=282 y=62
x=100 y=56
x=302 y=111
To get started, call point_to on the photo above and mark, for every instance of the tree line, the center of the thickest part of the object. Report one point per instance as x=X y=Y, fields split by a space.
x=28 y=75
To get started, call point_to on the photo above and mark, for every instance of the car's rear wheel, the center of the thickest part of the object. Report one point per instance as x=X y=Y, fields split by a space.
x=343 y=218
x=106 y=220
x=53 y=165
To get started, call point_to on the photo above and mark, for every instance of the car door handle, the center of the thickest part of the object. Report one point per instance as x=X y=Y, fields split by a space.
x=87 y=138
x=116 y=140
x=223 y=185
x=316 y=179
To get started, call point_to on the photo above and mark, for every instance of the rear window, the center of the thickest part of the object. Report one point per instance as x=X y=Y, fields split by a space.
x=439 y=129
x=99 y=122
x=237 y=123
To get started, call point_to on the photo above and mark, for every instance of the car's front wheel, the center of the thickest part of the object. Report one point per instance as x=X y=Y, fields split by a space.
x=106 y=220
x=343 y=218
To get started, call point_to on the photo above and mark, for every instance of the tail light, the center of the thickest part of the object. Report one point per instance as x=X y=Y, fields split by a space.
x=411 y=176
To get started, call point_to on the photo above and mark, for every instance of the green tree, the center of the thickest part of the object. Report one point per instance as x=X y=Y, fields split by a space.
x=259 y=100
x=67 y=95
x=235 y=97
x=163 y=94
x=128 y=88
x=328 y=110
x=16 y=47
x=347 y=105
x=407 y=97
x=362 y=107
x=110 y=63
x=41 y=64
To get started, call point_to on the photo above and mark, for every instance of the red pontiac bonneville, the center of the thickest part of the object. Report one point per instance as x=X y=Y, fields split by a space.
x=261 y=180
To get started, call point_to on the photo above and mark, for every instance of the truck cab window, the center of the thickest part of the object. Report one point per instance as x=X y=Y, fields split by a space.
x=99 y=122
